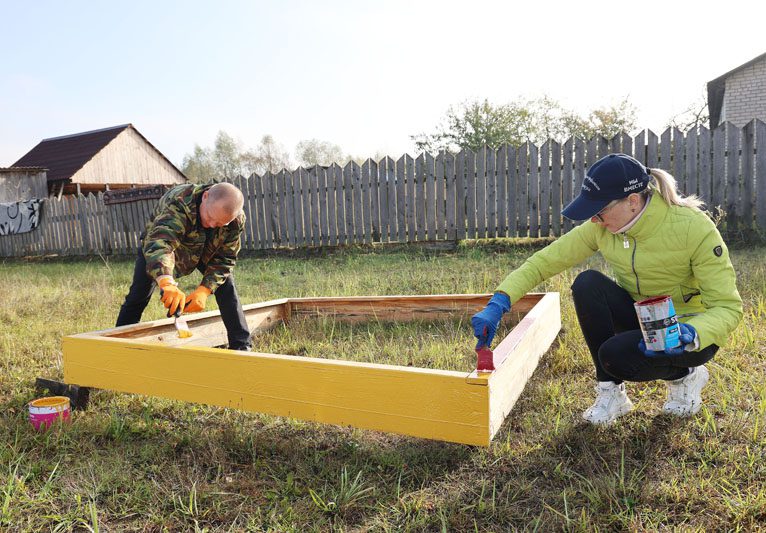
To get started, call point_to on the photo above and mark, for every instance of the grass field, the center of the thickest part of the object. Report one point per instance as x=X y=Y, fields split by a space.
x=133 y=463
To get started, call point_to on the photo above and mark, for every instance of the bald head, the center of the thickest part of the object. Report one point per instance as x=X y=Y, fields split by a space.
x=221 y=204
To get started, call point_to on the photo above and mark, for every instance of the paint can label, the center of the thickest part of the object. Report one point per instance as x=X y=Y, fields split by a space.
x=659 y=325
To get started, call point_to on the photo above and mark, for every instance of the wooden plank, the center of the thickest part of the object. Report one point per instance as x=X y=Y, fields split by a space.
x=592 y=151
x=614 y=144
x=279 y=208
x=366 y=205
x=445 y=163
x=545 y=189
x=257 y=218
x=348 y=190
x=748 y=176
x=356 y=182
x=430 y=197
x=556 y=188
x=375 y=214
x=393 y=218
x=254 y=211
x=691 y=162
x=470 y=194
x=666 y=145
x=534 y=191
x=384 y=171
x=652 y=150
x=289 y=208
x=313 y=179
x=269 y=214
x=760 y=175
x=718 y=176
x=512 y=188
x=308 y=223
x=522 y=191
x=639 y=147
x=704 y=146
x=627 y=144
x=340 y=202
x=374 y=397
x=501 y=197
x=580 y=166
x=403 y=234
x=332 y=203
x=567 y=180
x=522 y=350
x=296 y=209
x=679 y=165
x=491 y=192
x=420 y=197
x=732 y=201
x=460 y=194
x=408 y=173
x=480 y=193
x=322 y=204
x=450 y=204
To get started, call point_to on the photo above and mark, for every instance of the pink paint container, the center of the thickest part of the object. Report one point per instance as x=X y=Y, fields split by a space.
x=44 y=412
x=659 y=325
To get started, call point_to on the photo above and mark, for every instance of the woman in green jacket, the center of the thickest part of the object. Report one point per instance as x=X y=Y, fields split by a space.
x=657 y=243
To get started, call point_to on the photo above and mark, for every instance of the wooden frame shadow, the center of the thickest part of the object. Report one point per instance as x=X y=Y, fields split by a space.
x=148 y=358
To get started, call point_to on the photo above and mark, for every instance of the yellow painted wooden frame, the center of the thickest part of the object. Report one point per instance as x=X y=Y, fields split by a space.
x=148 y=358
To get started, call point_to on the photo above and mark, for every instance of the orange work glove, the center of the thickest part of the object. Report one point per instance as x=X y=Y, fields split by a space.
x=197 y=299
x=172 y=297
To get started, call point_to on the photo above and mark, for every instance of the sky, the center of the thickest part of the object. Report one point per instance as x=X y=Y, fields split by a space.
x=360 y=74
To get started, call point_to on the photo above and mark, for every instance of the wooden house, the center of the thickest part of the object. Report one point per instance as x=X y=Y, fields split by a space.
x=21 y=184
x=739 y=96
x=111 y=158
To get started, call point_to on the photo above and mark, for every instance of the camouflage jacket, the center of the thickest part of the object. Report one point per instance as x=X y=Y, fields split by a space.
x=175 y=243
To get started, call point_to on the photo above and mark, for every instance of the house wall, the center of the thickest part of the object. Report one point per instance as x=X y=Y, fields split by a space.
x=745 y=95
x=17 y=185
x=129 y=160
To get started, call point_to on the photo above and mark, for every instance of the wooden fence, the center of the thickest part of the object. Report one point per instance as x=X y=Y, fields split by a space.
x=509 y=192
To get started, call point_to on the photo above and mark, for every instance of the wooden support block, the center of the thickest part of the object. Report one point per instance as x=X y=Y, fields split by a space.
x=148 y=358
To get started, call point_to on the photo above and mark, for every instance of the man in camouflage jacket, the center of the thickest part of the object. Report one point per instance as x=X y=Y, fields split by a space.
x=193 y=227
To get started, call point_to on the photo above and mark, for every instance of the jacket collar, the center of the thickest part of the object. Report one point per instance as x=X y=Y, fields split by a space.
x=653 y=216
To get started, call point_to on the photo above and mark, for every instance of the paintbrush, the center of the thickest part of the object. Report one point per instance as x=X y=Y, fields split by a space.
x=180 y=323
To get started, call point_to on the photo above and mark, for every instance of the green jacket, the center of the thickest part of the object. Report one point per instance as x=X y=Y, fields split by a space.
x=175 y=243
x=671 y=250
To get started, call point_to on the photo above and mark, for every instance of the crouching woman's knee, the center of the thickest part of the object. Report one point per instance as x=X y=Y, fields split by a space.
x=586 y=282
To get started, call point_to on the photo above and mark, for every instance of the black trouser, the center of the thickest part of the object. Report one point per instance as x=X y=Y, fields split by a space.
x=610 y=326
x=226 y=295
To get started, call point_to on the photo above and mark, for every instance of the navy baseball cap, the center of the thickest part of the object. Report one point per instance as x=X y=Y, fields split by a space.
x=610 y=178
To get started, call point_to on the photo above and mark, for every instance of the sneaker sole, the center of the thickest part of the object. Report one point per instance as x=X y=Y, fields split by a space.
x=624 y=409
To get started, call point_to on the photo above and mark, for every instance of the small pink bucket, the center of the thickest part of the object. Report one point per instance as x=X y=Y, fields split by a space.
x=44 y=412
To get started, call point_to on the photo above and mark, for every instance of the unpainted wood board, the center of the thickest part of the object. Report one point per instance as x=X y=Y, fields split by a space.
x=480 y=194
x=760 y=174
x=356 y=183
x=705 y=165
x=692 y=180
x=522 y=191
x=420 y=197
x=748 y=186
x=732 y=201
x=534 y=191
x=316 y=236
x=652 y=149
x=556 y=188
x=366 y=204
x=718 y=176
x=545 y=189
x=401 y=199
x=393 y=216
x=430 y=198
x=445 y=163
x=679 y=165
x=407 y=170
x=460 y=194
x=348 y=186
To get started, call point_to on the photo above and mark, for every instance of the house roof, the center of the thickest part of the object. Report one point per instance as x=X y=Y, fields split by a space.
x=717 y=87
x=64 y=156
x=23 y=169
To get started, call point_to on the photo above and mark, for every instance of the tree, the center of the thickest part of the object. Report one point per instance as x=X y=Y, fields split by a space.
x=695 y=115
x=472 y=125
x=199 y=165
x=312 y=152
x=228 y=159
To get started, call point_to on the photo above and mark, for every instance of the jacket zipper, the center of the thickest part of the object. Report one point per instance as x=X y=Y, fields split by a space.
x=626 y=244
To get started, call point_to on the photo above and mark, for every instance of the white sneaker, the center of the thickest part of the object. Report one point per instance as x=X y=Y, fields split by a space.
x=684 y=395
x=611 y=403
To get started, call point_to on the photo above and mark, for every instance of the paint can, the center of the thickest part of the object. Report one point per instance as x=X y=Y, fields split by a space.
x=659 y=325
x=43 y=412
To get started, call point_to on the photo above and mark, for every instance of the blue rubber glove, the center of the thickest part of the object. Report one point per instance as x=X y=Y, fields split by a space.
x=485 y=322
x=687 y=334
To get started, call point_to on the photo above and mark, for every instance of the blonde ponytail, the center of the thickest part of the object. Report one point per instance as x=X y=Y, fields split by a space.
x=666 y=184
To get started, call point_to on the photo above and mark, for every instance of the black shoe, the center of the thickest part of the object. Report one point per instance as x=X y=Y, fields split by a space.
x=242 y=348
